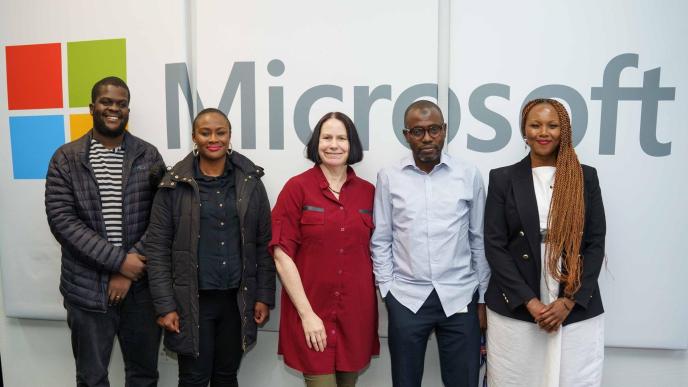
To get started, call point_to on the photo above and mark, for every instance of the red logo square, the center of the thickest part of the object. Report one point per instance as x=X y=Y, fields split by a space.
x=34 y=76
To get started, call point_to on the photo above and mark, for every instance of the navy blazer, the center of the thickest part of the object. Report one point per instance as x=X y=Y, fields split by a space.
x=512 y=244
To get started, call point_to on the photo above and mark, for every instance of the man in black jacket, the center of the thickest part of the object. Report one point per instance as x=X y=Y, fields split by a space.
x=98 y=196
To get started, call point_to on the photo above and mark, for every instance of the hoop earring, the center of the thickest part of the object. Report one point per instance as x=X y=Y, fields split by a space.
x=229 y=149
x=194 y=150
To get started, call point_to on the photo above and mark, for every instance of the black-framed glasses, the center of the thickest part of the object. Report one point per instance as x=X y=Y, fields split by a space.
x=418 y=133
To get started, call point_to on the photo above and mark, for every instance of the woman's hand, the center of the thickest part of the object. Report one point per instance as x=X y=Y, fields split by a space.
x=261 y=312
x=314 y=330
x=313 y=327
x=555 y=313
x=535 y=308
x=170 y=322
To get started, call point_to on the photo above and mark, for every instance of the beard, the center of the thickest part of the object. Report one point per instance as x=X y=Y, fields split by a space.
x=430 y=156
x=100 y=127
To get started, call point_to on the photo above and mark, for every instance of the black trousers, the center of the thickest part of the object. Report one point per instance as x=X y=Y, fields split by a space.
x=220 y=349
x=93 y=335
x=458 y=341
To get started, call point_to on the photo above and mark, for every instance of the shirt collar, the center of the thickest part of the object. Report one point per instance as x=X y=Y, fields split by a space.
x=118 y=148
x=198 y=175
x=350 y=174
x=409 y=162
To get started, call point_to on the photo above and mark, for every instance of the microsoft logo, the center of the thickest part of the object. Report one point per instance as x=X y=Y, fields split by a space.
x=36 y=81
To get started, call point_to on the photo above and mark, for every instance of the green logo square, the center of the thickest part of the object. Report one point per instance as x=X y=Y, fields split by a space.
x=90 y=61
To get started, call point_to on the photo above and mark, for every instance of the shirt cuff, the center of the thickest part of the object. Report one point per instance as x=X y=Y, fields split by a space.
x=481 y=294
x=384 y=288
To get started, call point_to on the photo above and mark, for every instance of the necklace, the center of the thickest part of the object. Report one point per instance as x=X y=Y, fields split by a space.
x=209 y=174
x=544 y=179
x=333 y=191
x=338 y=177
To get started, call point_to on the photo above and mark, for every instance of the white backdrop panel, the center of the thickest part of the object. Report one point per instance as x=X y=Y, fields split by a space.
x=528 y=44
x=155 y=35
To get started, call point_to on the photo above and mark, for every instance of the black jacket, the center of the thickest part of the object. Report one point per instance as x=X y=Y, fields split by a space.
x=512 y=244
x=72 y=204
x=172 y=248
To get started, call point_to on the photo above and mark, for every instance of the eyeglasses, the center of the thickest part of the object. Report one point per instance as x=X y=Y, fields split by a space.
x=419 y=133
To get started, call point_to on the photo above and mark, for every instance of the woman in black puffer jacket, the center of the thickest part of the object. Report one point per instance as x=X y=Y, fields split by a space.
x=211 y=277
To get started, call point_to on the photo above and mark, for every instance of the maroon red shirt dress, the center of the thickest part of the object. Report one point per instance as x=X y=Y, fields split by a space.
x=329 y=241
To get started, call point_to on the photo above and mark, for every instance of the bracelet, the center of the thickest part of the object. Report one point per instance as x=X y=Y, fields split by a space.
x=566 y=306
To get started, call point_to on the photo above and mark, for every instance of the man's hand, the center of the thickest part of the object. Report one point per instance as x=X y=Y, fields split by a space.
x=261 y=312
x=482 y=317
x=134 y=266
x=169 y=321
x=118 y=287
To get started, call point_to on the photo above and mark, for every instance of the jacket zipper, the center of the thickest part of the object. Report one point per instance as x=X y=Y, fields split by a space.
x=197 y=194
x=92 y=174
x=244 y=344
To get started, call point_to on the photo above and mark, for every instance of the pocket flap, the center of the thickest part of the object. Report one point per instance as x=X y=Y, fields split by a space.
x=312 y=217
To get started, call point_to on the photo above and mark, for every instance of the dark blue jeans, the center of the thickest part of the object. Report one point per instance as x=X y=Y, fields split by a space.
x=458 y=341
x=93 y=335
x=219 y=342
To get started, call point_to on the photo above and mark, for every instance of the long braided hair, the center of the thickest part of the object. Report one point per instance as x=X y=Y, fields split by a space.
x=567 y=208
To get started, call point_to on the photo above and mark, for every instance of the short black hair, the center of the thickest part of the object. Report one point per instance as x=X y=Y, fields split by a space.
x=422 y=104
x=355 y=146
x=111 y=81
x=208 y=111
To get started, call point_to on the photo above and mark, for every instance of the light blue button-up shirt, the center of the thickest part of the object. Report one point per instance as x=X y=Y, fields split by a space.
x=429 y=234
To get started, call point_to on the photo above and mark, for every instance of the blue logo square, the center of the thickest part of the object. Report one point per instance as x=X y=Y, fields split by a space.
x=34 y=139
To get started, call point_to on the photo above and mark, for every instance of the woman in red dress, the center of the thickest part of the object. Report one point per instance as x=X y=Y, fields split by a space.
x=321 y=228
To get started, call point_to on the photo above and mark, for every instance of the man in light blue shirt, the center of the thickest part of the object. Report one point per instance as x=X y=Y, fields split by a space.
x=428 y=254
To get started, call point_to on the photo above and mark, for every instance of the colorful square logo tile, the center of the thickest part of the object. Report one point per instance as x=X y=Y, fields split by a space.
x=35 y=81
x=34 y=76
x=34 y=139
x=90 y=61
x=79 y=124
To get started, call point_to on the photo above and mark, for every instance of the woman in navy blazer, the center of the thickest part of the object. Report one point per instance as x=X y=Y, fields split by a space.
x=544 y=240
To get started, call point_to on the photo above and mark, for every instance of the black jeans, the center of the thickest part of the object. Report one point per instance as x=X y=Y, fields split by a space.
x=93 y=335
x=220 y=349
x=458 y=341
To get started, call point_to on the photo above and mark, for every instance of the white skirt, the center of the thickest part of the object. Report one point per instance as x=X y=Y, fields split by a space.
x=521 y=354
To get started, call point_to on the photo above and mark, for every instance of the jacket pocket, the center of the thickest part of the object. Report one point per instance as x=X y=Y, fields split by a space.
x=177 y=342
x=181 y=342
x=181 y=268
